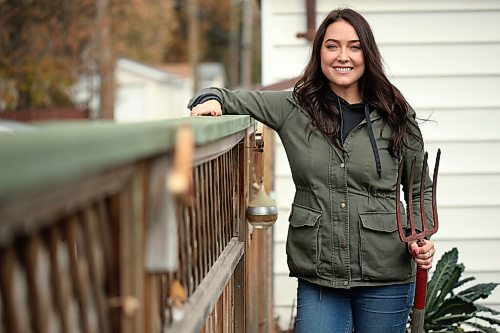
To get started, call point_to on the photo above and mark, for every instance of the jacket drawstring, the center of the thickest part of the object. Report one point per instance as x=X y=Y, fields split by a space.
x=373 y=142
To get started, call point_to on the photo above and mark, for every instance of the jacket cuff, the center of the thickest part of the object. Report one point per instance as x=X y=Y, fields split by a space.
x=202 y=99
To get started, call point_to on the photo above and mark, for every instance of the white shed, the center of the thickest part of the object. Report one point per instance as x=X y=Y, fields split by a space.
x=445 y=58
x=145 y=92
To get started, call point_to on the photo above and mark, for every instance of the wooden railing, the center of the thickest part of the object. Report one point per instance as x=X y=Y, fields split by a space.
x=92 y=239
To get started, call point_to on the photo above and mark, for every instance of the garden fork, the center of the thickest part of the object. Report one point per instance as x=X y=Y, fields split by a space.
x=418 y=312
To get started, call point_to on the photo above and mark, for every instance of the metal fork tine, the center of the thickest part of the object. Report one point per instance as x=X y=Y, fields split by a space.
x=410 y=197
x=414 y=235
x=423 y=177
x=434 y=184
x=398 y=200
x=418 y=312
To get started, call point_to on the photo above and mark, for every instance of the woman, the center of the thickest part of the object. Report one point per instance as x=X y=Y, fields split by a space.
x=345 y=128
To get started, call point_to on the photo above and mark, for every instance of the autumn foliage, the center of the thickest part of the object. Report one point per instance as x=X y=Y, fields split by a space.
x=48 y=46
x=44 y=46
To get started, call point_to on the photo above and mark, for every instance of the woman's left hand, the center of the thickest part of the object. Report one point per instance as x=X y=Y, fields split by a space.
x=423 y=252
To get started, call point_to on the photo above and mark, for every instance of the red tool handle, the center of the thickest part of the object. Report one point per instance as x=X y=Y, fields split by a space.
x=420 y=289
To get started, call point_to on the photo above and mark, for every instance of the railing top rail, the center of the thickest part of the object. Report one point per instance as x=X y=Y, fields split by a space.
x=52 y=153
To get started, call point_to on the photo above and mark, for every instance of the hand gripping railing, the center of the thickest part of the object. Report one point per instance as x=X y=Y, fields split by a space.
x=418 y=312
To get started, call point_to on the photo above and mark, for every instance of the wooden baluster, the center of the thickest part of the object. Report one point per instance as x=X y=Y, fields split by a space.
x=193 y=247
x=228 y=197
x=79 y=272
x=215 y=205
x=38 y=275
x=233 y=193
x=76 y=273
x=131 y=250
x=236 y=178
x=96 y=265
x=207 y=219
x=195 y=214
x=218 y=202
x=183 y=268
x=241 y=185
x=222 y=180
x=205 y=216
x=107 y=239
x=189 y=255
x=193 y=210
x=211 y=210
x=13 y=291
x=223 y=194
x=59 y=278
x=197 y=252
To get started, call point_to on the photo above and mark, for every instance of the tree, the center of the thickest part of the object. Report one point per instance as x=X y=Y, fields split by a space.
x=142 y=30
x=45 y=45
x=214 y=33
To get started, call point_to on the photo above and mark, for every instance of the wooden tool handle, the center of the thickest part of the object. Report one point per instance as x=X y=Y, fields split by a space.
x=418 y=313
x=417 y=321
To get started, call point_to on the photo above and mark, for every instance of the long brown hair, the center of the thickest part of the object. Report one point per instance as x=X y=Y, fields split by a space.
x=311 y=89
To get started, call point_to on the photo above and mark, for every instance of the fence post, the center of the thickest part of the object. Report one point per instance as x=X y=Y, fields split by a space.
x=240 y=283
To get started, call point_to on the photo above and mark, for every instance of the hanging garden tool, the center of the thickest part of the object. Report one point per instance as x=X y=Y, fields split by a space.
x=418 y=312
x=261 y=212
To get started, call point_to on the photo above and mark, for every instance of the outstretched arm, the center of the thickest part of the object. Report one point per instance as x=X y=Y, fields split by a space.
x=272 y=108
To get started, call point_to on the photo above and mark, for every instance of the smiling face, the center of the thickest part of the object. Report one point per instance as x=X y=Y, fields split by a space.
x=342 y=60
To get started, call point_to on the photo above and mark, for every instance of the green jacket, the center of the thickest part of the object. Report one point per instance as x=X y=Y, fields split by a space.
x=343 y=231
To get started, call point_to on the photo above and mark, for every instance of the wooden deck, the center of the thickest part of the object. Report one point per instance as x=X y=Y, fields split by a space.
x=92 y=239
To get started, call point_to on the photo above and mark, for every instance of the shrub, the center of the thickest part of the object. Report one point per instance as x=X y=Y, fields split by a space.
x=448 y=310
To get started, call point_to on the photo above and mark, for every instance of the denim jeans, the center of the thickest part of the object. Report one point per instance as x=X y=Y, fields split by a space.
x=382 y=309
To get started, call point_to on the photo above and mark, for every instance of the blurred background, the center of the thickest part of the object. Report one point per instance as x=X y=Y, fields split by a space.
x=122 y=59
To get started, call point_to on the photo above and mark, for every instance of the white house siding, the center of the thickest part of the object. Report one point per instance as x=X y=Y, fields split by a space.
x=444 y=56
x=146 y=93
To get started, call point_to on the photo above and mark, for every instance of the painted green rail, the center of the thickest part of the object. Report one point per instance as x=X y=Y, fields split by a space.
x=31 y=159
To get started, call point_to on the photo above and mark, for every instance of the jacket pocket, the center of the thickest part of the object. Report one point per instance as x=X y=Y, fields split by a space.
x=302 y=240
x=383 y=256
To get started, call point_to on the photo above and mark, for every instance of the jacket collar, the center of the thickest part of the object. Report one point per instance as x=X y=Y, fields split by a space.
x=374 y=115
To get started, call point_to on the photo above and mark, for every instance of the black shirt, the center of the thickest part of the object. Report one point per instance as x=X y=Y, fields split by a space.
x=352 y=115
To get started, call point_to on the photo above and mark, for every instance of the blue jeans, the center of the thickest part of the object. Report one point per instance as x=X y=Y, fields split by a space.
x=382 y=309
